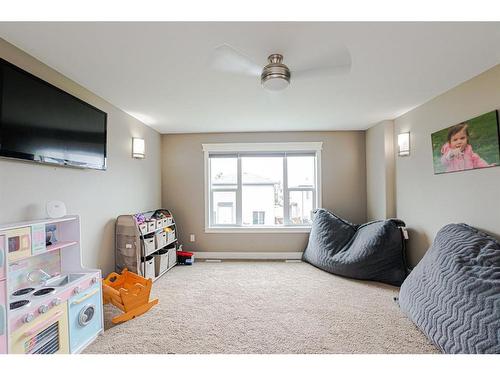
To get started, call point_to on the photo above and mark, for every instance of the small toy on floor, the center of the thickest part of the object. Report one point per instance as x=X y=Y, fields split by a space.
x=185 y=257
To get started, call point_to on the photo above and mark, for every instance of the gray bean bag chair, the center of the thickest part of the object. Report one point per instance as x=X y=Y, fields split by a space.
x=453 y=294
x=372 y=251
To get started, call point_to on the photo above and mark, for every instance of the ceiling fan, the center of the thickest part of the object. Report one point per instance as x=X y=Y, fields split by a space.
x=276 y=75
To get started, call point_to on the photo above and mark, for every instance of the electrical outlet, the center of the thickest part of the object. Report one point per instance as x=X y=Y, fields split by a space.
x=192 y=238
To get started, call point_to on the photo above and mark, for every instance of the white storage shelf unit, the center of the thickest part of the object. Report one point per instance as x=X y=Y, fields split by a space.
x=147 y=248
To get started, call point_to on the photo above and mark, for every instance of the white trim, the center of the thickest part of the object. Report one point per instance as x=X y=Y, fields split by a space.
x=319 y=197
x=207 y=188
x=256 y=229
x=245 y=255
x=286 y=194
x=239 y=194
x=259 y=147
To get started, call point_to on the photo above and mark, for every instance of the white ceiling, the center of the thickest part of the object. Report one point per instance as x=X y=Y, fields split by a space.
x=159 y=72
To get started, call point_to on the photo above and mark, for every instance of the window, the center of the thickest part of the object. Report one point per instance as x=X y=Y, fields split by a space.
x=259 y=217
x=225 y=213
x=261 y=186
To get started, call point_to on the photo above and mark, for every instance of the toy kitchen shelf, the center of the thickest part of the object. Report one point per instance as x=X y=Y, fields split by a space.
x=49 y=303
x=146 y=243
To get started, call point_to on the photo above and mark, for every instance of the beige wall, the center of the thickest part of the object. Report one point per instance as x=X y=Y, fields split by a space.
x=127 y=186
x=343 y=186
x=427 y=201
x=380 y=168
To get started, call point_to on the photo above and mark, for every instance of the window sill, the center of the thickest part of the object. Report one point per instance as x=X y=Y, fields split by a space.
x=289 y=229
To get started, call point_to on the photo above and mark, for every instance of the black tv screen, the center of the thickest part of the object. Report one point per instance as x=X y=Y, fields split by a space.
x=42 y=123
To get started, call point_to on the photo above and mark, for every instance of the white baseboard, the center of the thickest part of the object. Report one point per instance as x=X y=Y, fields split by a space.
x=246 y=255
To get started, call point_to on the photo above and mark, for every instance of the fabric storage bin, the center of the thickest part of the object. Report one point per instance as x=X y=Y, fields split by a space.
x=151 y=225
x=171 y=236
x=149 y=267
x=143 y=228
x=172 y=256
x=149 y=244
x=168 y=221
x=159 y=223
x=161 y=239
x=161 y=261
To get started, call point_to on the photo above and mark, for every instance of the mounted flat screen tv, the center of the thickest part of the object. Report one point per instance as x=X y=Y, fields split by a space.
x=42 y=123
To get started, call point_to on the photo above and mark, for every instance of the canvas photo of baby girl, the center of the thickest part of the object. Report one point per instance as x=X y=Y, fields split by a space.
x=469 y=145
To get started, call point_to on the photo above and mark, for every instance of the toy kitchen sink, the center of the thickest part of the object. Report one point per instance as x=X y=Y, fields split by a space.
x=49 y=303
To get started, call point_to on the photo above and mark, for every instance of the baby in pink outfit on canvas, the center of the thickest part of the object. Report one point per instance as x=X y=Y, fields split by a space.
x=457 y=153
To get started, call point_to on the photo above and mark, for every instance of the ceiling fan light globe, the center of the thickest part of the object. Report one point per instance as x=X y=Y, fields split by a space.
x=275 y=83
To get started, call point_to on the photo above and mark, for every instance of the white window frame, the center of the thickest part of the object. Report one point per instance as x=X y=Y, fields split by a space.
x=291 y=147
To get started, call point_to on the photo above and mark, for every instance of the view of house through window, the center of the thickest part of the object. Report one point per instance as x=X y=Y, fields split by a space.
x=259 y=217
x=262 y=189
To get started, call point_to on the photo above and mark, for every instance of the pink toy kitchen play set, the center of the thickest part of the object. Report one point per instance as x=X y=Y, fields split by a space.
x=49 y=303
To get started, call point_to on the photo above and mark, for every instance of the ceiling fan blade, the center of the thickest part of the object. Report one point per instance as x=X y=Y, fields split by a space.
x=321 y=71
x=227 y=59
x=337 y=63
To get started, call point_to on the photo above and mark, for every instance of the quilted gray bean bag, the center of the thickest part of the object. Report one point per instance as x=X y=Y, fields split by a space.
x=372 y=251
x=453 y=294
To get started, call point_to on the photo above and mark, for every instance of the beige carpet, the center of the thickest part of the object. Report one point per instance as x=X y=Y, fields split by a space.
x=264 y=307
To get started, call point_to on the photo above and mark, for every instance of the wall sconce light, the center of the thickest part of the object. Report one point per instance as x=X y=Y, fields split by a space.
x=404 y=144
x=138 y=148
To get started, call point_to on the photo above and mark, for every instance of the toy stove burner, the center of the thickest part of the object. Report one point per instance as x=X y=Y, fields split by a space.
x=44 y=291
x=19 y=304
x=21 y=292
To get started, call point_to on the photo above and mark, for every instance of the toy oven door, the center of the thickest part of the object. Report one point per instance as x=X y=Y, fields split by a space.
x=18 y=243
x=47 y=334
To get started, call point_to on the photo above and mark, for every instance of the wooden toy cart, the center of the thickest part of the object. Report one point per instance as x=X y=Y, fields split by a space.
x=129 y=292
